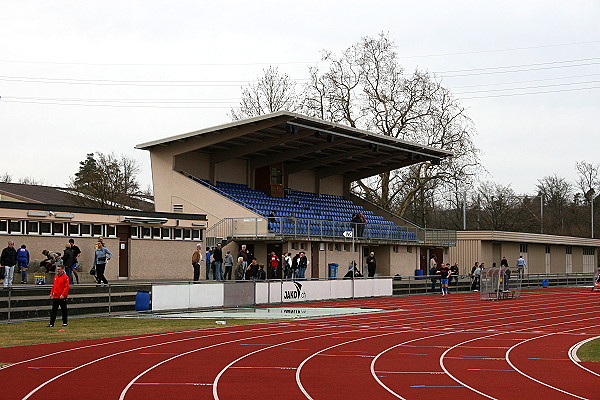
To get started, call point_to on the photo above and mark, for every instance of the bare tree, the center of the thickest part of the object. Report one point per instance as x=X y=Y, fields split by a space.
x=588 y=179
x=274 y=91
x=365 y=87
x=557 y=194
x=106 y=181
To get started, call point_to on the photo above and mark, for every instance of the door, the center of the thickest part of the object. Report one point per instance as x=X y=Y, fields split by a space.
x=123 y=233
x=314 y=259
x=277 y=248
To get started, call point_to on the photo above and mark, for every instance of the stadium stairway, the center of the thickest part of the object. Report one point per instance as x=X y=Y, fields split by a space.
x=32 y=302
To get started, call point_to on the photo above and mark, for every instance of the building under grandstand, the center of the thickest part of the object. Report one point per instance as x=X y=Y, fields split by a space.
x=300 y=169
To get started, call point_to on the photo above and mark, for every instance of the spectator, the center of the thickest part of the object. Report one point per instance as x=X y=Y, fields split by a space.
x=474 y=268
x=196 y=260
x=359 y=221
x=228 y=263
x=261 y=275
x=208 y=254
x=371 y=264
x=68 y=260
x=52 y=258
x=433 y=262
x=251 y=270
x=506 y=279
x=287 y=266
x=476 y=278
x=8 y=260
x=23 y=262
x=240 y=270
x=271 y=220
x=302 y=265
x=521 y=264
x=295 y=260
x=101 y=257
x=218 y=260
x=353 y=271
x=274 y=263
x=454 y=269
x=58 y=294
x=445 y=273
x=245 y=254
x=75 y=267
x=433 y=273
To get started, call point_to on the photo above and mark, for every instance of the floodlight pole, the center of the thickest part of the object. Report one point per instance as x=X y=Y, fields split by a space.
x=353 y=265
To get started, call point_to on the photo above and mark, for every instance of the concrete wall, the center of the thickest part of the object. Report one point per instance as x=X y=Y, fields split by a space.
x=303 y=180
x=195 y=163
x=332 y=185
x=161 y=260
x=234 y=171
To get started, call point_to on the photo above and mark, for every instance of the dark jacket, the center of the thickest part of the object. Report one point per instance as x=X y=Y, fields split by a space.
x=217 y=255
x=261 y=275
x=68 y=257
x=303 y=262
x=8 y=257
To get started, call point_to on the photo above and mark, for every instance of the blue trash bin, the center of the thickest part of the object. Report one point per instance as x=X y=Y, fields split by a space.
x=333 y=269
x=419 y=273
x=545 y=283
x=142 y=301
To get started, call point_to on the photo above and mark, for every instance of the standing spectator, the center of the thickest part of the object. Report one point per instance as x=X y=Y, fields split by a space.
x=68 y=260
x=506 y=279
x=196 y=260
x=433 y=262
x=287 y=265
x=521 y=264
x=454 y=269
x=228 y=263
x=218 y=260
x=295 y=260
x=58 y=294
x=433 y=273
x=274 y=263
x=371 y=264
x=76 y=253
x=100 y=240
x=474 y=268
x=208 y=254
x=245 y=254
x=23 y=262
x=8 y=260
x=271 y=220
x=251 y=270
x=504 y=262
x=302 y=265
x=445 y=273
x=240 y=270
x=101 y=257
x=476 y=278
x=261 y=275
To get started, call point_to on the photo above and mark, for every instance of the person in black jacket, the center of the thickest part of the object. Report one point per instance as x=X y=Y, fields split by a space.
x=8 y=260
x=371 y=264
x=218 y=259
x=261 y=275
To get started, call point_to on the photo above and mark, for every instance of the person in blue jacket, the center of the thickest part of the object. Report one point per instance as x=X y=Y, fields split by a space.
x=101 y=256
x=23 y=262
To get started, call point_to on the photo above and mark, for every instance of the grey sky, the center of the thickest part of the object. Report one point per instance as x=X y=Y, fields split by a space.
x=224 y=44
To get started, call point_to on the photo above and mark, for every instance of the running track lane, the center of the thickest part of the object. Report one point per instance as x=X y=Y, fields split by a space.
x=333 y=371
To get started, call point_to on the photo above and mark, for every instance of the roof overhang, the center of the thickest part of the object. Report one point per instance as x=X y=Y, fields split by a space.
x=301 y=143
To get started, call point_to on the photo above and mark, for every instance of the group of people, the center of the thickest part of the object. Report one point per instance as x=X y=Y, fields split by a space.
x=18 y=260
x=445 y=273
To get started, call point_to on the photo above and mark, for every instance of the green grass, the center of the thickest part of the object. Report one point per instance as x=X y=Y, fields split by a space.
x=24 y=333
x=590 y=352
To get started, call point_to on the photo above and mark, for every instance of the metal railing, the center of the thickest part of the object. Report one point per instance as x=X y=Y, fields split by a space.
x=318 y=229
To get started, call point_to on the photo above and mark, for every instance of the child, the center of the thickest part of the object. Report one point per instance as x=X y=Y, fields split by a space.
x=23 y=261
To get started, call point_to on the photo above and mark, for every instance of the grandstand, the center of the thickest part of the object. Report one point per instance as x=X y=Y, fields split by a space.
x=300 y=169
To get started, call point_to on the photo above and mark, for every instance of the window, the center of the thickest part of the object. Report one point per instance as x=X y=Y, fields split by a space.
x=569 y=250
x=134 y=231
x=15 y=227
x=146 y=232
x=356 y=248
x=177 y=208
x=86 y=230
x=409 y=249
x=156 y=233
x=187 y=234
x=338 y=247
x=395 y=249
x=111 y=231
x=97 y=230
x=346 y=247
x=523 y=248
x=196 y=234
x=46 y=228
x=73 y=229
x=33 y=227
x=58 y=228
x=547 y=249
x=330 y=246
x=589 y=251
x=3 y=226
x=178 y=233
x=165 y=233
x=302 y=244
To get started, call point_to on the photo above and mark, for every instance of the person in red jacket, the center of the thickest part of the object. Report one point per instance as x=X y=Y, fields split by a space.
x=59 y=293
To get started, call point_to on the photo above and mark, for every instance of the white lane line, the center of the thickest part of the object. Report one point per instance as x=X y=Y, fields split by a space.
x=262 y=368
x=173 y=383
x=344 y=355
x=573 y=354
x=412 y=372
x=507 y=356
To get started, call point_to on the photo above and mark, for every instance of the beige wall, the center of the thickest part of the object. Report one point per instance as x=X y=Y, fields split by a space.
x=332 y=185
x=234 y=171
x=194 y=163
x=160 y=260
x=303 y=180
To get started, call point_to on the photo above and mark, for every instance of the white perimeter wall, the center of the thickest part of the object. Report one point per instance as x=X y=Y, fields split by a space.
x=184 y=296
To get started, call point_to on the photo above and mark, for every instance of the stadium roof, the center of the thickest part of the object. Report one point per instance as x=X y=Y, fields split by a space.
x=302 y=143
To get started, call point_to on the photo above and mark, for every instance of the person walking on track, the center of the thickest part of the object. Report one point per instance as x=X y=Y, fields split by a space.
x=58 y=294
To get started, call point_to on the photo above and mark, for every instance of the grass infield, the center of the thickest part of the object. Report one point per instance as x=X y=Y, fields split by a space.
x=590 y=352
x=24 y=333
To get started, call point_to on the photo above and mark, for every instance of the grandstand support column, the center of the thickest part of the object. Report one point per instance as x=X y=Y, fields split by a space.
x=211 y=169
x=317 y=185
x=346 y=189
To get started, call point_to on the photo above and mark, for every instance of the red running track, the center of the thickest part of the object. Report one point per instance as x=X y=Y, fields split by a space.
x=454 y=347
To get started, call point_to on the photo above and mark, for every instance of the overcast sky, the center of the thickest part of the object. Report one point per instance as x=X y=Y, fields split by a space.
x=70 y=72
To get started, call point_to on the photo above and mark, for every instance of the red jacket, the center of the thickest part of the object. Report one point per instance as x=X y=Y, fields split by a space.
x=60 y=286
